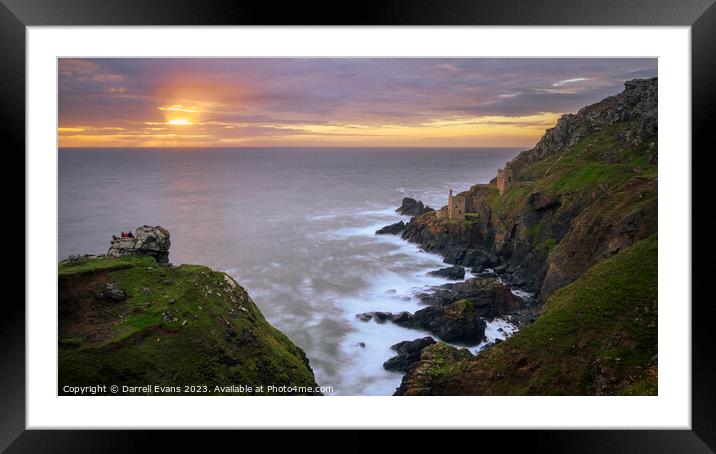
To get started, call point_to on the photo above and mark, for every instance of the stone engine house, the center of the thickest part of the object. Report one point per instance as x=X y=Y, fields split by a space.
x=455 y=208
x=504 y=180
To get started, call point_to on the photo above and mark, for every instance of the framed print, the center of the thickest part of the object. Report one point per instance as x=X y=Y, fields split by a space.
x=452 y=217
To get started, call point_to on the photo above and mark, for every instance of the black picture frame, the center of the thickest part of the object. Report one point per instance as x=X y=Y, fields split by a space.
x=16 y=15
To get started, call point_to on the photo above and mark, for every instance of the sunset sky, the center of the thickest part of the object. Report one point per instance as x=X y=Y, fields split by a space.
x=329 y=101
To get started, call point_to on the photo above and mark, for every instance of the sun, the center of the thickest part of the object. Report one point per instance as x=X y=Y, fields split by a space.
x=179 y=122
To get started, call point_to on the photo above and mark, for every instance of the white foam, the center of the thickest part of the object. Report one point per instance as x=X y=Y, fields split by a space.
x=496 y=329
x=522 y=294
x=402 y=274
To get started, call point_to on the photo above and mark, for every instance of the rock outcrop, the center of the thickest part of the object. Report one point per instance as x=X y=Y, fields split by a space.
x=437 y=363
x=147 y=240
x=635 y=110
x=379 y=317
x=457 y=322
x=392 y=229
x=408 y=353
x=455 y=272
x=412 y=207
x=490 y=297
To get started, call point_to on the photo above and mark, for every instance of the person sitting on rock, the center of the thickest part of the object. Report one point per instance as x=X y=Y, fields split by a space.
x=124 y=234
x=130 y=234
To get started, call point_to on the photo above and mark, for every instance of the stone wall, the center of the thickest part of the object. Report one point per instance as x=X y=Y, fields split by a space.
x=504 y=180
x=456 y=206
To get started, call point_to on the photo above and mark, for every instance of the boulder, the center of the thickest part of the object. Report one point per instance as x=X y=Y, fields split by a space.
x=380 y=317
x=148 y=240
x=490 y=297
x=455 y=272
x=392 y=229
x=408 y=354
x=500 y=268
x=436 y=362
x=457 y=322
x=110 y=291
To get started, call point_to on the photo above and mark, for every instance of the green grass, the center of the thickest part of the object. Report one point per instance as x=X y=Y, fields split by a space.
x=511 y=201
x=535 y=230
x=88 y=265
x=605 y=321
x=546 y=247
x=600 y=160
x=214 y=335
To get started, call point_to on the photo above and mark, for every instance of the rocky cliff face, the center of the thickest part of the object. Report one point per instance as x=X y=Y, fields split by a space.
x=635 y=109
x=124 y=320
x=583 y=193
x=576 y=226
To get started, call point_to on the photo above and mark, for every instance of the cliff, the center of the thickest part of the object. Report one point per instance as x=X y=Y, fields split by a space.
x=127 y=321
x=577 y=225
x=587 y=190
x=596 y=336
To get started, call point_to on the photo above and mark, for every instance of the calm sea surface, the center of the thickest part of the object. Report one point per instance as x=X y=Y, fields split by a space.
x=295 y=227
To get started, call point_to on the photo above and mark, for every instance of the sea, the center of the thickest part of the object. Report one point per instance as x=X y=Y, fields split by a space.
x=294 y=226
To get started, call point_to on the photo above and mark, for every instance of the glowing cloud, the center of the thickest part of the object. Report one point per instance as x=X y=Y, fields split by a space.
x=179 y=122
x=178 y=108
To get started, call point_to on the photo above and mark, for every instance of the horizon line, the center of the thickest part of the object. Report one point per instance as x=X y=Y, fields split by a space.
x=276 y=146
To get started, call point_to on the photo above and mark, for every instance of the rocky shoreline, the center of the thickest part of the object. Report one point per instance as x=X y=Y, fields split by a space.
x=457 y=312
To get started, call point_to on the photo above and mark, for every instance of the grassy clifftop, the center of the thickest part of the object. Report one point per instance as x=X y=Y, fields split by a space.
x=595 y=336
x=127 y=321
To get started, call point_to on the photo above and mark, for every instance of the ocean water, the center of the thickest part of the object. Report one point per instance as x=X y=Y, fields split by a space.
x=295 y=227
